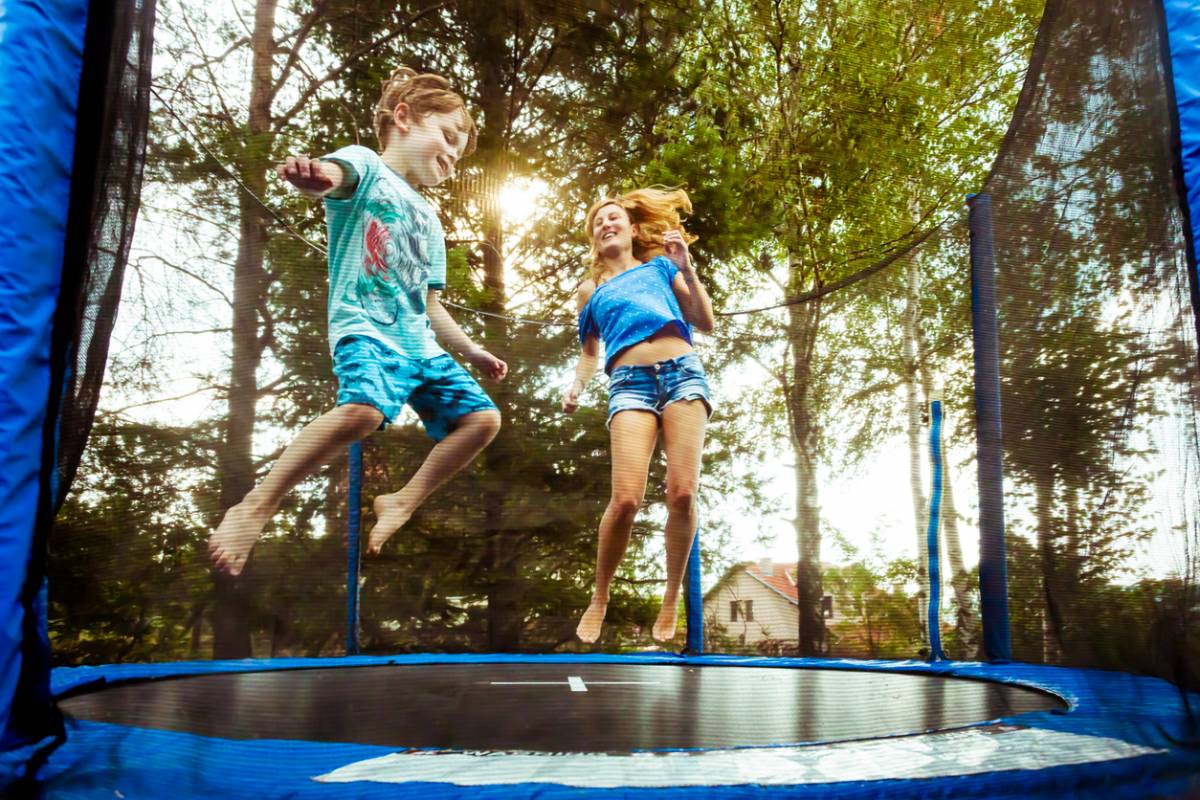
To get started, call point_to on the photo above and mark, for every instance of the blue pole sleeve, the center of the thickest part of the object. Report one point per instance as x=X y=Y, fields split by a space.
x=993 y=571
x=41 y=57
x=353 y=547
x=694 y=600
x=931 y=534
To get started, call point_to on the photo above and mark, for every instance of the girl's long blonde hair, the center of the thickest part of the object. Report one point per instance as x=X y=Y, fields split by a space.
x=654 y=210
x=424 y=94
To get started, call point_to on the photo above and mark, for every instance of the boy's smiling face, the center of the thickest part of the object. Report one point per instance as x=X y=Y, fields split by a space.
x=426 y=149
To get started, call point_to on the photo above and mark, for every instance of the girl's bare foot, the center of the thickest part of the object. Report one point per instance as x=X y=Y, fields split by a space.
x=230 y=544
x=664 y=626
x=592 y=621
x=390 y=516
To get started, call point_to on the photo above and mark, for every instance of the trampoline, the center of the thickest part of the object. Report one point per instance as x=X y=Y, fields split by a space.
x=558 y=707
x=1081 y=308
x=555 y=725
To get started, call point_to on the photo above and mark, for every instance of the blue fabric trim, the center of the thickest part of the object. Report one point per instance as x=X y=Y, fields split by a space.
x=105 y=759
x=100 y=757
x=41 y=57
x=1183 y=36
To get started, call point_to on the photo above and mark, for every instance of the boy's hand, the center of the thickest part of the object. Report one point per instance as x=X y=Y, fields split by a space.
x=311 y=176
x=676 y=249
x=488 y=364
x=570 y=400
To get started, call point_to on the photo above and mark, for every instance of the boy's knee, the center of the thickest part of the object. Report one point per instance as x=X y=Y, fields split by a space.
x=361 y=417
x=488 y=422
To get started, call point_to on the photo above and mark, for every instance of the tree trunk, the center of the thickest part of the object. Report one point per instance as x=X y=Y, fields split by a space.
x=499 y=567
x=235 y=465
x=803 y=324
x=914 y=402
x=1051 y=619
x=965 y=621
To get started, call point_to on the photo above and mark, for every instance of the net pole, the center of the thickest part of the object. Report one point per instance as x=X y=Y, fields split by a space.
x=694 y=601
x=993 y=572
x=931 y=533
x=353 y=547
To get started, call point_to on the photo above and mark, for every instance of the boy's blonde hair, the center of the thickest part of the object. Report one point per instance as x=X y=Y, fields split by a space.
x=424 y=94
x=654 y=210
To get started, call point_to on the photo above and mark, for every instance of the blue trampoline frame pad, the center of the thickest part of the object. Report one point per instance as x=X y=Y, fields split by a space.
x=1121 y=736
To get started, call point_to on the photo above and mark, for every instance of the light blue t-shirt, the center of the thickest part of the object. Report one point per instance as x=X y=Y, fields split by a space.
x=386 y=250
x=631 y=307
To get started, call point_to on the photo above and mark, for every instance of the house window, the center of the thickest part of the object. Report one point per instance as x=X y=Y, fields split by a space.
x=827 y=607
x=743 y=609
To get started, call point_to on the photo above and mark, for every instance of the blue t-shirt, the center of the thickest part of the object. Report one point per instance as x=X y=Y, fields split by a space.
x=386 y=251
x=633 y=306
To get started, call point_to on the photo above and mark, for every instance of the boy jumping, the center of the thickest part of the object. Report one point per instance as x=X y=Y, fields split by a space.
x=387 y=265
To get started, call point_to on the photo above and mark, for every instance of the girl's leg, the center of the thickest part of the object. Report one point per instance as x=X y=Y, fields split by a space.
x=473 y=433
x=683 y=441
x=318 y=444
x=633 y=434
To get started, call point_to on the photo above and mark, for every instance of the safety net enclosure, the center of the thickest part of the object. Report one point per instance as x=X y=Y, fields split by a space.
x=885 y=485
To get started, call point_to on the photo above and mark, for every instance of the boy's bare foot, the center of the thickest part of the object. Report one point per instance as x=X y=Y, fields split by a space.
x=230 y=544
x=390 y=516
x=664 y=626
x=589 y=627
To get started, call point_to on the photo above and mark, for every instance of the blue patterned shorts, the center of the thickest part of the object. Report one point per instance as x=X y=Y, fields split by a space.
x=652 y=387
x=438 y=389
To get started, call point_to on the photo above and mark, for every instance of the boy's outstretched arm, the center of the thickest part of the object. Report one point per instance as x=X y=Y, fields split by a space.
x=453 y=337
x=316 y=178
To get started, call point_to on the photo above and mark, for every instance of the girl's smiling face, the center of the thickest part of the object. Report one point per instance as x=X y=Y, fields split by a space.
x=612 y=232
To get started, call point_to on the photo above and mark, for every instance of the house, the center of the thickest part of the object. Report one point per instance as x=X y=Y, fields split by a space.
x=756 y=602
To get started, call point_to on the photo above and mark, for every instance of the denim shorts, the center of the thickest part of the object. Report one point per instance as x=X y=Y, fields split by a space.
x=440 y=391
x=652 y=387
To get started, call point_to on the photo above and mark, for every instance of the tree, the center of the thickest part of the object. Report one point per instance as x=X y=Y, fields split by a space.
x=864 y=106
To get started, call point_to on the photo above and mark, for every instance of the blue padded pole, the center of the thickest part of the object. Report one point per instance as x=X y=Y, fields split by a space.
x=694 y=601
x=993 y=572
x=353 y=547
x=931 y=534
x=41 y=57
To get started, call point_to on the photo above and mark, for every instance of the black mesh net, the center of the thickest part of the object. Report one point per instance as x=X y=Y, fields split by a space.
x=113 y=116
x=1099 y=352
x=828 y=165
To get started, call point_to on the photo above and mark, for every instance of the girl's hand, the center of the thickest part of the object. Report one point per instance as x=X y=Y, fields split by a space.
x=570 y=400
x=675 y=246
x=488 y=364
x=312 y=177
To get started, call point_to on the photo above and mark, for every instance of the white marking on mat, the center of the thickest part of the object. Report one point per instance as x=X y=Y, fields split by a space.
x=966 y=752
x=573 y=682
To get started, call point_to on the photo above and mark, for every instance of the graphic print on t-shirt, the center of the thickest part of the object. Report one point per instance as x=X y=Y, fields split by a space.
x=395 y=262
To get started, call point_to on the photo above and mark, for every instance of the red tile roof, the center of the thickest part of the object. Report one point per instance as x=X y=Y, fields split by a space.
x=782 y=578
